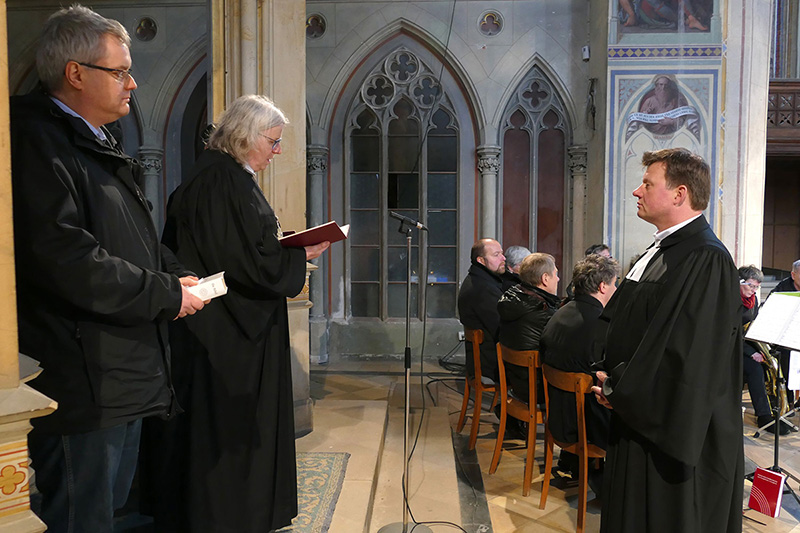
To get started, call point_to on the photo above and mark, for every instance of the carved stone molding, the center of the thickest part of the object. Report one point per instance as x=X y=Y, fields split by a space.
x=151 y=165
x=316 y=159
x=151 y=159
x=577 y=159
x=489 y=159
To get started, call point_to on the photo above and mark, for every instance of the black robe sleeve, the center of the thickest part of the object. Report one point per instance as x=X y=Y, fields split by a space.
x=222 y=222
x=687 y=359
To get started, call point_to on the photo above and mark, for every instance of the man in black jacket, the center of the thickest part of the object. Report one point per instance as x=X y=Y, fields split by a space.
x=92 y=295
x=524 y=311
x=790 y=284
x=477 y=302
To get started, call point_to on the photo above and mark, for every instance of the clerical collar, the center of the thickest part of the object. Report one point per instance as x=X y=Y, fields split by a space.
x=248 y=168
x=635 y=273
x=661 y=235
x=99 y=133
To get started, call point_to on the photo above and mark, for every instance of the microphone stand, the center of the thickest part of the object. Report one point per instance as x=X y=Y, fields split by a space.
x=402 y=527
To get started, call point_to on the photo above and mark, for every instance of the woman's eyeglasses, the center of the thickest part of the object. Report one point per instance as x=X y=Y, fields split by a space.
x=275 y=142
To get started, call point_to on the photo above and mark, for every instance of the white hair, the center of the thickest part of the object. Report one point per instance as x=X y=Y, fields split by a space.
x=242 y=122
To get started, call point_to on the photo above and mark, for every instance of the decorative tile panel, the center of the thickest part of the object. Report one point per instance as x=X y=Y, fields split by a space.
x=14 y=481
x=650 y=52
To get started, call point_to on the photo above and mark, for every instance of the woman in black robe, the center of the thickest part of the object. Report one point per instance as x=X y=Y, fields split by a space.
x=228 y=463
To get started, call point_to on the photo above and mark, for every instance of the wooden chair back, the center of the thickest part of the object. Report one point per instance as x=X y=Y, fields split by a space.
x=579 y=384
x=476 y=337
x=526 y=410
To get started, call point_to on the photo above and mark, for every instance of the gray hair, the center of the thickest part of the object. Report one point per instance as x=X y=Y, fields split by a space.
x=535 y=266
x=796 y=266
x=515 y=255
x=74 y=33
x=241 y=124
x=750 y=272
x=593 y=270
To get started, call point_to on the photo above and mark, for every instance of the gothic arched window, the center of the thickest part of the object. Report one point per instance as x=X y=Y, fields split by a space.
x=403 y=156
x=534 y=152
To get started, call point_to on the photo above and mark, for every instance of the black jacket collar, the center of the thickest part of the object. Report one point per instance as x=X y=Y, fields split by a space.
x=480 y=271
x=588 y=299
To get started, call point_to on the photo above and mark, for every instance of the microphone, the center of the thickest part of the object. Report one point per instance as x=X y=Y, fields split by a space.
x=409 y=221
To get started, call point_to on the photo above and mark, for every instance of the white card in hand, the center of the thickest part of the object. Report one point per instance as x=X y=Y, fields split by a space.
x=210 y=287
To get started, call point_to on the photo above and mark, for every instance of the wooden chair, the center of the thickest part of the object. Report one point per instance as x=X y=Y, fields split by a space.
x=525 y=411
x=579 y=384
x=479 y=383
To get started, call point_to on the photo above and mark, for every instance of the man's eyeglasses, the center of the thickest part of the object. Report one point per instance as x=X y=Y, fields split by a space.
x=276 y=143
x=119 y=74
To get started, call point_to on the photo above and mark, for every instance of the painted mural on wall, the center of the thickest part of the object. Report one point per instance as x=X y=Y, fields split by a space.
x=651 y=110
x=640 y=16
x=663 y=110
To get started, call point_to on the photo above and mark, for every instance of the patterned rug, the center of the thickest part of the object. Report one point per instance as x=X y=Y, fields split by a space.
x=319 y=481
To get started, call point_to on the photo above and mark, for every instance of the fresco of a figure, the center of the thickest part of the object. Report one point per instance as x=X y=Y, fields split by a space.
x=663 y=110
x=665 y=15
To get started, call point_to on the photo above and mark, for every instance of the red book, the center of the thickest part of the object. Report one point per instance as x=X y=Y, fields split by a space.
x=330 y=231
x=767 y=492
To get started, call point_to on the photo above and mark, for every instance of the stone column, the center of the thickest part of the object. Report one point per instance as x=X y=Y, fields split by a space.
x=151 y=158
x=744 y=149
x=489 y=166
x=317 y=172
x=301 y=386
x=577 y=171
x=18 y=402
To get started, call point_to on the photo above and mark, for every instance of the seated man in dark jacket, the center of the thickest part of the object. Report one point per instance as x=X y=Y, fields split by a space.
x=477 y=302
x=524 y=310
x=571 y=342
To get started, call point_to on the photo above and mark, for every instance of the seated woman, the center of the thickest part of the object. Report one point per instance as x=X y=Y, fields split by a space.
x=750 y=279
x=524 y=311
x=572 y=342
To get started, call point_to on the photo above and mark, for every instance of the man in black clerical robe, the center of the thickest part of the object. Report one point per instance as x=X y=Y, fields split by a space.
x=673 y=367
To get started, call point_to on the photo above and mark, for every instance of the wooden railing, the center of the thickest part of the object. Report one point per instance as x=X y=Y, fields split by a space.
x=783 y=118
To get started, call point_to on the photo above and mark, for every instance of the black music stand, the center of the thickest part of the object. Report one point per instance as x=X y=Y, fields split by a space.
x=776 y=467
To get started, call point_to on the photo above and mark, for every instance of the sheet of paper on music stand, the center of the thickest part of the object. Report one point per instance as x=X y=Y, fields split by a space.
x=793 y=379
x=778 y=321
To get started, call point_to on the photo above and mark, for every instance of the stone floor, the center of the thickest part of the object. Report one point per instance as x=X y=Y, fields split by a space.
x=359 y=410
x=485 y=502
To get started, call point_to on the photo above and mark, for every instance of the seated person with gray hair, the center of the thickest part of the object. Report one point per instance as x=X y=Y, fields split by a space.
x=514 y=256
x=788 y=284
x=750 y=279
x=595 y=249
x=524 y=310
x=572 y=342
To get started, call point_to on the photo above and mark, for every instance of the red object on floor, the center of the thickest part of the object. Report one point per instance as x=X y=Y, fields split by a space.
x=767 y=492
